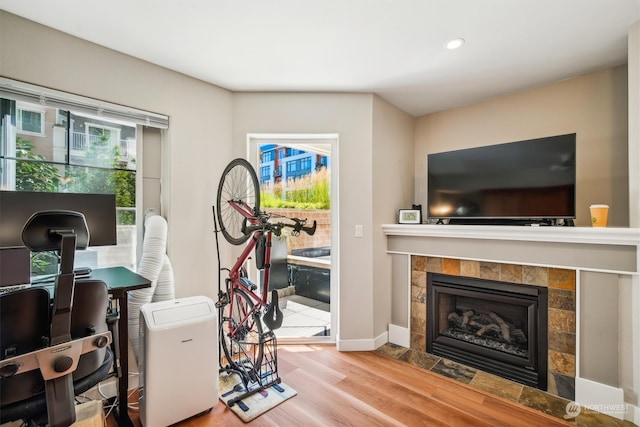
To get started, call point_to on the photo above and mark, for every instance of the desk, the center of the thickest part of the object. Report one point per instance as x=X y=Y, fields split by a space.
x=120 y=280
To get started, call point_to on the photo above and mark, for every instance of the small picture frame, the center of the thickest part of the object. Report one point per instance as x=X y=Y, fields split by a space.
x=409 y=216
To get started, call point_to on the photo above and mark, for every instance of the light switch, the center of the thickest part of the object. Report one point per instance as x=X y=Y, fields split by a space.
x=358 y=230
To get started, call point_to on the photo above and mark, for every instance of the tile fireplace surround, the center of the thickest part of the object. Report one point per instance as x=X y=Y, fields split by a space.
x=592 y=278
x=561 y=312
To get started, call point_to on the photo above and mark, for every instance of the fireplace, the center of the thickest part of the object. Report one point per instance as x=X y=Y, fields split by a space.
x=497 y=327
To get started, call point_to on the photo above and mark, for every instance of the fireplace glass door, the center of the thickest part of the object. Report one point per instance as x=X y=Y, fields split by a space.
x=494 y=326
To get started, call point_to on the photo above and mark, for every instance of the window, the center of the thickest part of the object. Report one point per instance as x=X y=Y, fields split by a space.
x=265 y=174
x=76 y=154
x=86 y=145
x=299 y=167
x=267 y=156
x=293 y=152
x=305 y=165
x=30 y=119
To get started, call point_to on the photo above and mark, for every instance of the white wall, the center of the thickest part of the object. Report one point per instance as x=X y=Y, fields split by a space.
x=200 y=118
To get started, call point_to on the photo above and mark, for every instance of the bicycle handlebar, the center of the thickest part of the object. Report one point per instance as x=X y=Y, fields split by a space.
x=277 y=227
x=300 y=227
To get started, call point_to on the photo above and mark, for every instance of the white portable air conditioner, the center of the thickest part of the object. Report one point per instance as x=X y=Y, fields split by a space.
x=178 y=360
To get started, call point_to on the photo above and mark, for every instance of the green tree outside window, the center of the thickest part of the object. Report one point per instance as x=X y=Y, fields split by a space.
x=32 y=174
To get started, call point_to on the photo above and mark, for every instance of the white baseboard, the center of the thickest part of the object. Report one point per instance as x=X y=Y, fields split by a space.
x=381 y=339
x=633 y=414
x=362 y=345
x=399 y=335
x=591 y=395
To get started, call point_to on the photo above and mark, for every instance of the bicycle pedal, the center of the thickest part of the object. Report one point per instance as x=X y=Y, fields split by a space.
x=222 y=300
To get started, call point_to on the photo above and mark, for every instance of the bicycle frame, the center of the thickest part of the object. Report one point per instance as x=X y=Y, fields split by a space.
x=250 y=351
x=234 y=272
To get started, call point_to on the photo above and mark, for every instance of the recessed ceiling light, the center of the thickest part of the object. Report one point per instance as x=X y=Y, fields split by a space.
x=455 y=43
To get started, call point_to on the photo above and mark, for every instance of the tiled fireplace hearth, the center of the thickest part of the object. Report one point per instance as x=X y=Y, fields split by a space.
x=561 y=317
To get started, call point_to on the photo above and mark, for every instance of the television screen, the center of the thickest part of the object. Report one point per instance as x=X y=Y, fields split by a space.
x=16 y=207
x=532 y=179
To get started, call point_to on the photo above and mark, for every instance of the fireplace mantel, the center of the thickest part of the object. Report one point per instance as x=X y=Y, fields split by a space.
x=604 y=235
x=612 y=250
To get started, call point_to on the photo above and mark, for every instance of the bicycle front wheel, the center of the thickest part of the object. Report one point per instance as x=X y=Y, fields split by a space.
x=238 y=199
x=241 y=341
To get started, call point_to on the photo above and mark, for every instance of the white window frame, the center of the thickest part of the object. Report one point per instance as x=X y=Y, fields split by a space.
x=20 y=107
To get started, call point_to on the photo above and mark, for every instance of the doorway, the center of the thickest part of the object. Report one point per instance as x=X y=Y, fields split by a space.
x=298 y=178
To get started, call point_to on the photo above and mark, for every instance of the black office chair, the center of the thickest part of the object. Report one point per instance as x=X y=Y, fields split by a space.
x=50 y=353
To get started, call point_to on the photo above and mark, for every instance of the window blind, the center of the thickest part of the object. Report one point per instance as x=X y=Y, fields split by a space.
x=26 y=92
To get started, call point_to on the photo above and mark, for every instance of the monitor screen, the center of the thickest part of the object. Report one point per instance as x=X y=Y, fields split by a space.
x=16 y=207
x=525 y=179
x=15 y=266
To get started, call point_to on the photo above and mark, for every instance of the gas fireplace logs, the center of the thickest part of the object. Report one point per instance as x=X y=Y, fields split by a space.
x=486 y=324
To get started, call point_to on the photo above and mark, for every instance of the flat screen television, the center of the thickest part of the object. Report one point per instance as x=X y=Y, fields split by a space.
x=16 y=207
x=504 y=183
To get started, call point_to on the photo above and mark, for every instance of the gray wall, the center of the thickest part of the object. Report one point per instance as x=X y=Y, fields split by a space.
x=594 y=106
x=364 y=298
x=200 y=116
x=208 y=127
x=392 y=189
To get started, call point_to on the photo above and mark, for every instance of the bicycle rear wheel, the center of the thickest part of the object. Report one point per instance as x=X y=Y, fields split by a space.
x=241 y=344
x=238 y=188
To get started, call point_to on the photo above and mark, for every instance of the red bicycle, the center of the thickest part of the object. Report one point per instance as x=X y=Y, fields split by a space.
x=247 y=316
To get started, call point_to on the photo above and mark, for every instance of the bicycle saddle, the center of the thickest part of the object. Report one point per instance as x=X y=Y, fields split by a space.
x=272 y=315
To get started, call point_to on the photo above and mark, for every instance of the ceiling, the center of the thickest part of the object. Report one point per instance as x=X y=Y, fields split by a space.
x=394 y=48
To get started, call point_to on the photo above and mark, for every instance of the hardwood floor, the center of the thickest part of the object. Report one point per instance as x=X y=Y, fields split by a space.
x=368 y=388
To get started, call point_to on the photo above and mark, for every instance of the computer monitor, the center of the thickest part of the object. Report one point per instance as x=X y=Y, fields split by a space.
x=15 y=266
x=16 y=207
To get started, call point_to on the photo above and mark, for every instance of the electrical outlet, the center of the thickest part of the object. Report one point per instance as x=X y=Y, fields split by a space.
x=358 y=230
